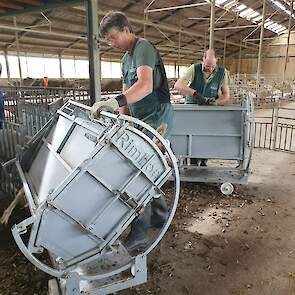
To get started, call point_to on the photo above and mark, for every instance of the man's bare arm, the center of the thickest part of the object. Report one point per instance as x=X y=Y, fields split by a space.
x=181 y=86
x=124 y=110
x=224 y=98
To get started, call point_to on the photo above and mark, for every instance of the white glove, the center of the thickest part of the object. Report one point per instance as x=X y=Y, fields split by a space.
x=111 y=105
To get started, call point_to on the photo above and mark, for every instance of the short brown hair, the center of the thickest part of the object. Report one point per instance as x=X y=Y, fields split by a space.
x=114 y=19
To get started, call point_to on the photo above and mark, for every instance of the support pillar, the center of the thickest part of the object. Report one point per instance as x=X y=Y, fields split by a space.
x=7 y=65
x=239 y=62
x=260 y=52
x=288 y=41
x=224 y=50
x=93 y=50
x=61 y=75
x=17 y=49
x=212 y=23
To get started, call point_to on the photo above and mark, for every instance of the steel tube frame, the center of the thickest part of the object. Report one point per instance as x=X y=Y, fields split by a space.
x=17 y=49
x=240 y=59
x=7 y=65
x=224 y=50
x=48 y=5
x=260 y=51
x=60 y=66
x=161 y=26
x=212 y=23
x=235 y=27
x=93 y=50
x=177 y=7
x=288 y=41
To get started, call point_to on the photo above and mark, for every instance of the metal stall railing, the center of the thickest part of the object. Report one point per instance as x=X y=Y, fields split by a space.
x=39 y=96
x=14 y=136
x=27 y=109
x=275 y=129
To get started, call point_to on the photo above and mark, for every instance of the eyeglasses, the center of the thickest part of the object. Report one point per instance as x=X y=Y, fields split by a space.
x=209 y=67
x=108 y=41
x=111 y=38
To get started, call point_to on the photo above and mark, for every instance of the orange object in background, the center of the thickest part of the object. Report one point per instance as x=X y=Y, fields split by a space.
x=45 y=81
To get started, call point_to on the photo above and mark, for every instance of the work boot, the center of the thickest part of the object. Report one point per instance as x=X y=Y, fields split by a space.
x=159 y=212
x=137 y=238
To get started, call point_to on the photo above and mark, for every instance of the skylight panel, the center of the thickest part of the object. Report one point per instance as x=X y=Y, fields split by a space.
x=281 y=30
x=246 y=12
x=241 y=7
x=258 y=18
x=267 y=23
x=273 y=26
x=219 y=2
x=280 y=5
x=283 y=7
x=254 y=14
x=230 y=4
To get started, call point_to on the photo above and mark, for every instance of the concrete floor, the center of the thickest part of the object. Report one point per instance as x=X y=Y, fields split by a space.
x=243 y=244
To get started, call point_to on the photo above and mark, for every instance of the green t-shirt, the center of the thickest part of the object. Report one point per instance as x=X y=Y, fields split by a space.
x=143 y=54
x=154 y=109
x=190 y=75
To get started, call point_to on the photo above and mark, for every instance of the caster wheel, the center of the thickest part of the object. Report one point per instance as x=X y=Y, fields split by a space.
x=227 y=188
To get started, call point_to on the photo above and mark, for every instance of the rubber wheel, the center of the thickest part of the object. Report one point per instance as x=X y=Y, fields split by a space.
x=227 y=188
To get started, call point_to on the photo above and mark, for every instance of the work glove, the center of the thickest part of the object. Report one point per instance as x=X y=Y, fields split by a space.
x=111 y=105
x=199 y=98
x=211 y=101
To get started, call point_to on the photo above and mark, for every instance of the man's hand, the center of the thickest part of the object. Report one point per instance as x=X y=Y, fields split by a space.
x=111 y=105
x=212 y=101
x=161 y=130
x=199 y=98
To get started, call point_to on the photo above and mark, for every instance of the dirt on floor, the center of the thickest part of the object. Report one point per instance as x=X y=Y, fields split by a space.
x=242 y=244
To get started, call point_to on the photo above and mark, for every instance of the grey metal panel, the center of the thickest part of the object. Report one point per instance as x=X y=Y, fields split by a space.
x=180 y=144
x=208 y=122
x=109 y=219
x=78 y=146
x=207 y=147
x=58 y=132
x=46 y=173
x=137 y=149
x=83 y=198
x=62 y=236
x=115 y=169
x=208 y=132
x=218 y=147
x=137 y=187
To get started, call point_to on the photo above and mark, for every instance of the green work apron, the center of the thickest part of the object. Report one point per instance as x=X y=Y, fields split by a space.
x=207 y=89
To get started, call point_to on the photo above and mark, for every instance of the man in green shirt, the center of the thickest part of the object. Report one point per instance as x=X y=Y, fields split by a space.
x=205 y=84
x=205 y=80
x=145 y=96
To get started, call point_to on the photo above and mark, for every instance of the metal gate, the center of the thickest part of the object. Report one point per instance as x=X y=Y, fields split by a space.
x=275 y=127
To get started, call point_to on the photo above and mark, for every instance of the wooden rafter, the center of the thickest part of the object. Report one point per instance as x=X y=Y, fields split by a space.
x=10 y=5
